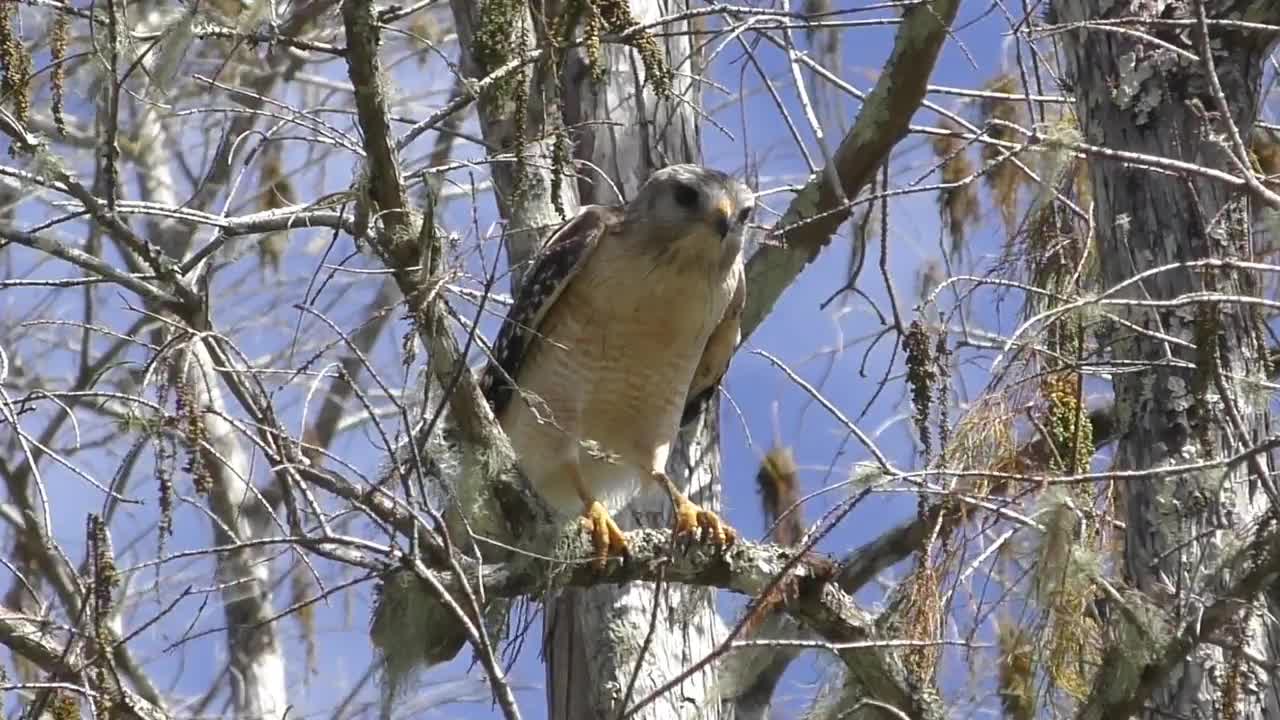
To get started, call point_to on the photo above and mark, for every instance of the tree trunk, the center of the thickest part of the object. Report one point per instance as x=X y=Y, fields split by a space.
x=1137 y=96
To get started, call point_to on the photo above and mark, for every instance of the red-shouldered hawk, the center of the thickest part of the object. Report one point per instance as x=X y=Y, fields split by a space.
x=621 y=331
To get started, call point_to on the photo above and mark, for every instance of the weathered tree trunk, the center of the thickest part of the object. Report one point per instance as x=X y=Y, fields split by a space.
x=1197 y=399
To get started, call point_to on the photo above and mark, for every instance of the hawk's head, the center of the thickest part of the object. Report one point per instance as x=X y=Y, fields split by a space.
x=693 y=211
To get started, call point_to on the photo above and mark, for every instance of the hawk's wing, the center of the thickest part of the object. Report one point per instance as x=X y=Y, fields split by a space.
x=564 y=254
x=715 y=357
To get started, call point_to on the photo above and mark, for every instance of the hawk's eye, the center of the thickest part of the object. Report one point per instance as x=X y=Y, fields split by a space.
x=686 y=196
x=743 y=215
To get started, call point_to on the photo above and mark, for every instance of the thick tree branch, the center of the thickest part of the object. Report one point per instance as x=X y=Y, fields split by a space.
x=322 y=432
x=821 y=206
x=384 y=183
x=385 y=187
x=406 y=246
x=745 y=568
x=410 y=248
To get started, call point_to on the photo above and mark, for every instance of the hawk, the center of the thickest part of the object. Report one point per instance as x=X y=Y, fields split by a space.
x=622 y=330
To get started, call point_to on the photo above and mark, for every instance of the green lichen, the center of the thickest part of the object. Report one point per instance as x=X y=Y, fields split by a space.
x=1067 y=422
x=502 y=36
x=493 y=44
x=598 y=18
x=617 y=18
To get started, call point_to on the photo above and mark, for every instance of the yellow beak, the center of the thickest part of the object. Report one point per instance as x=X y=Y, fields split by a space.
x=720 y=216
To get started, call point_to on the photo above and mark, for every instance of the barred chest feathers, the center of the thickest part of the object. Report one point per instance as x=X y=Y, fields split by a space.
x=628 y=345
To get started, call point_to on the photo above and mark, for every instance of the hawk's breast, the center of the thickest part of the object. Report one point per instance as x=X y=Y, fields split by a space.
x=615 y=359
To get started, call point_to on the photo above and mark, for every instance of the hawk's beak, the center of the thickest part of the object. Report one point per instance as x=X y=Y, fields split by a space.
x=720 y=217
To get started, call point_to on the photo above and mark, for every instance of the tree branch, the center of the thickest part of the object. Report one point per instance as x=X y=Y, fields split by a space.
x=386 y=189
x=84 y=260
x=33 y=640
x=745 y=568
x=475 y=495
x=821 y=207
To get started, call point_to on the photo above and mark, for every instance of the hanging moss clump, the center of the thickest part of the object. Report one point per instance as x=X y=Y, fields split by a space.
x=15 y=80
x=1005 y=178
x=958 y=202
x=922 y=374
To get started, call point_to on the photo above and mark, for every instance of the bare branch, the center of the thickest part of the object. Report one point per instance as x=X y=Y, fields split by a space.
x=93 y=264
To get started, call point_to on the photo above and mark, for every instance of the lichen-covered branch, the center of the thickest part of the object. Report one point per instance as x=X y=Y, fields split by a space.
x=748 y=569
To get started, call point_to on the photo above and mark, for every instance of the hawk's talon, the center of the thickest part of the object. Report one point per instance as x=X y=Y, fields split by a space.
x=701 y=525
x=606 y=537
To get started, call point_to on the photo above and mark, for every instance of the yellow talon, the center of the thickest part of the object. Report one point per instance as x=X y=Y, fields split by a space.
x=606 y=537
x=705 y=524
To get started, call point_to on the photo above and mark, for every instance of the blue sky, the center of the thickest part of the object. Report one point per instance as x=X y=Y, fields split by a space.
x=797 y=332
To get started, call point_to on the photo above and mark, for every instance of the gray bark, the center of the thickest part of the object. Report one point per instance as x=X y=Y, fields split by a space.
x=1183 y=528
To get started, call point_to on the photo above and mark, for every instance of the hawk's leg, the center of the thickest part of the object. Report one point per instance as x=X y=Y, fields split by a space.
x=690 y=518
x=606 y=537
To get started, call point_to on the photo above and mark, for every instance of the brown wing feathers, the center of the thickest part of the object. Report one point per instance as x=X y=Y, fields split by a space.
x=564 y=254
